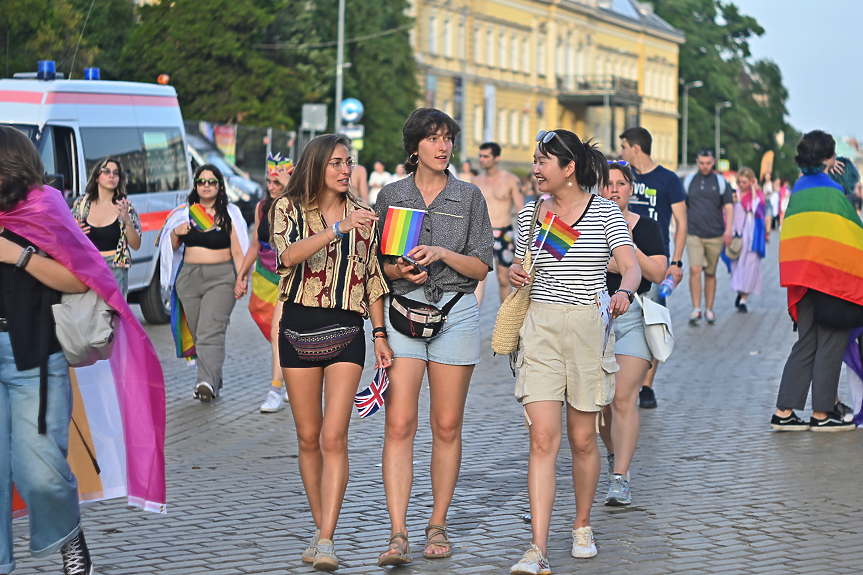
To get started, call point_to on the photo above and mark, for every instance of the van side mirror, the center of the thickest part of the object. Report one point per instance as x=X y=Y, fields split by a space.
x=57 y=182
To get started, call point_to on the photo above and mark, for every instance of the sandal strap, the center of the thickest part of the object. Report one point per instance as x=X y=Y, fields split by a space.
x=437 y=530
x=403 y=549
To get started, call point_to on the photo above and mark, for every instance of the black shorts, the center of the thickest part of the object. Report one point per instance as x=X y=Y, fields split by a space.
x=301 y=318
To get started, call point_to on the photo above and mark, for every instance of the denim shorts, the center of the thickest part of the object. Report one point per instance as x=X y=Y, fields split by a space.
x=629 y=334
x=457 y=343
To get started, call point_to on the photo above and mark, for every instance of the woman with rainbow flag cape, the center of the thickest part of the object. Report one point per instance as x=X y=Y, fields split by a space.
x=749 y=225
x=202 y=246
x=821 y=264
x=116 y=408
x=326 y=242
x=566 y=349
x=264 y=303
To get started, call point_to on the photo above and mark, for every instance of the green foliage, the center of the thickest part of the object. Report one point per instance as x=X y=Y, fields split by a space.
x=717 y=52
x=107 y=30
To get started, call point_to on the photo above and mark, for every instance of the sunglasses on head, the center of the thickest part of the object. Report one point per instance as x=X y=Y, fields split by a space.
x=211 y=182
x=546 y=136
x=618 y=162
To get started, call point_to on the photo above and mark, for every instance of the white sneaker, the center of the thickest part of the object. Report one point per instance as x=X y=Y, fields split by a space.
x=274 y=402
x=583 y=545
x=532 y=563
x=204 y=392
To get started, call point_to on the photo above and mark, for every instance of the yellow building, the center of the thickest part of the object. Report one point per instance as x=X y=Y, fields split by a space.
x=506 y=69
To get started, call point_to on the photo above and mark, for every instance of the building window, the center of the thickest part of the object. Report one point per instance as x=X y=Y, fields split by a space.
x=540 y=57
x=501 y=126
x=525 y=129
x=477 y=54
x=462 y=46
x=489 y=48
x=478 y=118
x=525 y=55
x=447 y=39
x=433 y=35
x=504 y=55
x=513 y=127
x=560 y=58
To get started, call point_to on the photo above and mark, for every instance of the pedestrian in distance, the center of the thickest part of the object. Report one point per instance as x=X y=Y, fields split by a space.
x=109 y=219
x=820 y=264
x=326 y=243
x=710 y=210
x=202 y=246
x=360 y=182
x=35 y=415
x=749 y=225
x=769 y=193
x=566 y=351
x=266 y=307
x=453 y=253
x=400 y=173
x=658 y=194
x=466 y=174
x=377 y=180
x=502 y=193
x=620 y=431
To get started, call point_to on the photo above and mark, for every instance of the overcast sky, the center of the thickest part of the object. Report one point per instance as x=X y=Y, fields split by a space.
x=816 y=45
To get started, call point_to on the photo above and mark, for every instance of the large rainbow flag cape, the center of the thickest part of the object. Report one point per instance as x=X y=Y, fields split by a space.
x=265 y=294
x=555 y=236
x=401 y=231
x=821 y=243
x=118 y=414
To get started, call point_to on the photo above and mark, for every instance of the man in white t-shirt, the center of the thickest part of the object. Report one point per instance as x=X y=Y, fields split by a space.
x=377 y=180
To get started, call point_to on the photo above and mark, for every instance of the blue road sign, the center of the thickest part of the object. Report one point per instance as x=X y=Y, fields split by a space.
x=351 y=110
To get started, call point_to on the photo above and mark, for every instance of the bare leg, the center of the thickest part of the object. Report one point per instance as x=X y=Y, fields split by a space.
x=545 y=432
x=581 y=431
x=274 y=340
x=503 y=281
x=695 y=286
x=625 y=429
x=402 y=406
x=651 y=374
x=305 y=390
x=448 y=385
x=605 y=428
x=709 y=289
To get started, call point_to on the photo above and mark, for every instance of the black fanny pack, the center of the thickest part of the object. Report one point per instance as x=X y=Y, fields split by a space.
x=417 y=319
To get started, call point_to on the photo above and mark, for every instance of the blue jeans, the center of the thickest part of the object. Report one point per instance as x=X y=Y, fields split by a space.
x=35 y=463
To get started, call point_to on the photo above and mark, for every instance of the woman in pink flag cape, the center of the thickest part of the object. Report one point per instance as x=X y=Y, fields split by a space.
x=44 y=253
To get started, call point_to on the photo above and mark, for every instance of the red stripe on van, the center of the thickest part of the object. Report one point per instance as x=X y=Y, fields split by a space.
x=19 y=97
x=111 y=99
x=153 y=221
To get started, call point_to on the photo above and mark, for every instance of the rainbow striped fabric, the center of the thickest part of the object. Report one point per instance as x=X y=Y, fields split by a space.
x=265 y=293
x=200 y=219
x=555 y=236
x=184 y=345
x=402 y=231
x=821 y=243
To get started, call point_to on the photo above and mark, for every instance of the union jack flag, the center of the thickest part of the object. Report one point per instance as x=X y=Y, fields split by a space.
x=371 y=399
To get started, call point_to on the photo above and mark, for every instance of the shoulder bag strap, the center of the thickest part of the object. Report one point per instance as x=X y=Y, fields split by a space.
x=451 y=304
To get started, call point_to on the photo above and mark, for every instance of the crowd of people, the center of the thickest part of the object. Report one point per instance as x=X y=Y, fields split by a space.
x=591 y=239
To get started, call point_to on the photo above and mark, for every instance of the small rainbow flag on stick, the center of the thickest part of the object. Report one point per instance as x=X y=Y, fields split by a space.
x=199 y=218
x=402 y=231
x=556 y=236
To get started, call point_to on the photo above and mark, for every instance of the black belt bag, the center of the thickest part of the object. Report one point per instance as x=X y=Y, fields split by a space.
x=417 y=319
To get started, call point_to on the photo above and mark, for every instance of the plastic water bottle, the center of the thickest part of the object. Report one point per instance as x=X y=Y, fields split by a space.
x=667 y=286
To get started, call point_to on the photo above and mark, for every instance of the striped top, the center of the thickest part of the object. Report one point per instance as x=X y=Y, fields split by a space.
x=581 y=273
x=344 y=275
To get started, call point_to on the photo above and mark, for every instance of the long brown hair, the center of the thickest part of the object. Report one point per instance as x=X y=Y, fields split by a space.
x=92 y=189
x=307 y=180
x=21 y=167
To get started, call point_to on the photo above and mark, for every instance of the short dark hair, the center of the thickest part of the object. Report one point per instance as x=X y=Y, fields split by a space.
x=422 y=123
x=848 y=178
x=21 y=167
x=591 y=167
x=92 y=189
x=493 y=146
x=638 y=136
x=223 y=218
x=814 y=149
x=705 y=153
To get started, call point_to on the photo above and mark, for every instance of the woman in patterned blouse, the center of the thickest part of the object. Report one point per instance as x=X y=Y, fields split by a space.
x=326 y=242
x=109 y=219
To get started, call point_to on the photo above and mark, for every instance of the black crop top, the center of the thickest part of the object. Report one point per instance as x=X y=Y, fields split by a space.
x=212 y=240
x=264 y=225
x=105 y=238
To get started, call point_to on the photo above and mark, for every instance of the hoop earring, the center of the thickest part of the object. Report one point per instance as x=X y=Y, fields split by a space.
x=414 y=162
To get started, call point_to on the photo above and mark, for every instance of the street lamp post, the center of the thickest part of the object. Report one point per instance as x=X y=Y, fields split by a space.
x=719 y=107
x=684 y=158
x=340 y=67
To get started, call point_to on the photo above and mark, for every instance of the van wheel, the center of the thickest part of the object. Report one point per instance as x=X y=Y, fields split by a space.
x=154 y=307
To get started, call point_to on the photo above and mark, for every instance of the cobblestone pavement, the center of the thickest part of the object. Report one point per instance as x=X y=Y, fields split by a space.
x=714 y=491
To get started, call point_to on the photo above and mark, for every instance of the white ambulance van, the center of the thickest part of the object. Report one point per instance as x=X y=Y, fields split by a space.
x=77 y=123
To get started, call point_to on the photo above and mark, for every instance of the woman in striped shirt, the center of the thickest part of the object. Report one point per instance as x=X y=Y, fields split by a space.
x=566 y=354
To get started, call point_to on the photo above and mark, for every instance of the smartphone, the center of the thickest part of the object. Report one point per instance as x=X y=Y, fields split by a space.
x=419 y=269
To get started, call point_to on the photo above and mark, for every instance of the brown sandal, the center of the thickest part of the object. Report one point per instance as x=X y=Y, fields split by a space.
x=403 y=557
x=445 y=542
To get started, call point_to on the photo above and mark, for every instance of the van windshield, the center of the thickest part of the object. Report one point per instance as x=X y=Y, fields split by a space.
x=29 y=130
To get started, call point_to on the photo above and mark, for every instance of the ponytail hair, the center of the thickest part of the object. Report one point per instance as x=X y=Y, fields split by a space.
x=591 y=166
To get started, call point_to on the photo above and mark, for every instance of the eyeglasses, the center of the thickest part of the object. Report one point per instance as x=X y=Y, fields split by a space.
x=211 y=182
x=545 y=137
x=337 y=165
x=110 y=172
x=618 y=162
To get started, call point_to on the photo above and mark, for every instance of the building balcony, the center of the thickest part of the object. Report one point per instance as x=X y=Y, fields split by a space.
x=592 y=91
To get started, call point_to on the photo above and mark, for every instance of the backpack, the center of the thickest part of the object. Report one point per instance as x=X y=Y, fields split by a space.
x=720 y=178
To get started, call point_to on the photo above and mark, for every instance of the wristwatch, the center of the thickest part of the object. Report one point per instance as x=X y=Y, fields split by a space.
x=678 y=263
x=628 y=293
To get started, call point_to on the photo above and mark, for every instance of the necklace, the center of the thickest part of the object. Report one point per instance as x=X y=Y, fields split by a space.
x=572 y=209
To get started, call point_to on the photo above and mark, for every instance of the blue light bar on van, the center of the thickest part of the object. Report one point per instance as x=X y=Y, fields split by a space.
x=91 y=74
x=46 y=70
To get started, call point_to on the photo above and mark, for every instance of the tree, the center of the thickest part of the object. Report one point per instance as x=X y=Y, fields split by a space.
x=717 y=52
x=107 y=30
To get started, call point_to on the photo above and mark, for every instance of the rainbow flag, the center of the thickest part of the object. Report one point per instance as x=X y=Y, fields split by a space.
x=184 y=345
x=200 y=219
x=265 y=294
x=821 y=243
x=555 y=236
x=402 y=231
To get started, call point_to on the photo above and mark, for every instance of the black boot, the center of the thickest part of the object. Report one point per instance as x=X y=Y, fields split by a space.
x=76 y=557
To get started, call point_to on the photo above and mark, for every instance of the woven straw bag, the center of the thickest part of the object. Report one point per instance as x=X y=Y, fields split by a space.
x=510 y=316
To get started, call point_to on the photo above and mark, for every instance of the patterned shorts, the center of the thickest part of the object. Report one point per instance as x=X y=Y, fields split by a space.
x=504 y=245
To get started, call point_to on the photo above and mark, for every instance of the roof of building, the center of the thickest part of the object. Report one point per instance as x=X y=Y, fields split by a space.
x=639 y=13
